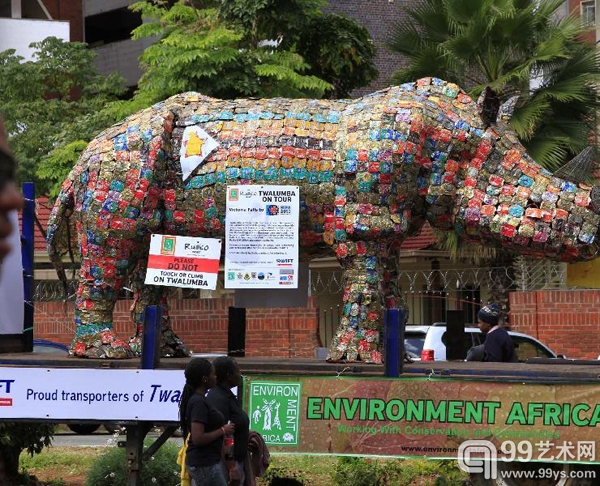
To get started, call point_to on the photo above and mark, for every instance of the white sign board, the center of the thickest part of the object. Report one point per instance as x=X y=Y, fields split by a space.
x=81 y=393
x=182 y=261
x=11 y=283
x=261 y=237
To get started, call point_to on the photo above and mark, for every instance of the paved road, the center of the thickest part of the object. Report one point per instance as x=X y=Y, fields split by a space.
x=70 y=439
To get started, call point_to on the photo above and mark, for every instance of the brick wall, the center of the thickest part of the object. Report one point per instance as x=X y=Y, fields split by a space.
x=70 y=10
x=567 y=321
x=575 y=8
x=202 y=324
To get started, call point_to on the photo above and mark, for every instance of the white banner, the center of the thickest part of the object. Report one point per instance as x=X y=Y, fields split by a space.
x=183 y=261
x=65 y=393
x=261 y=237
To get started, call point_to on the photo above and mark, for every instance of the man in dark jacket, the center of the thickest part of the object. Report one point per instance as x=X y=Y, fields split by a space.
x=498 y=345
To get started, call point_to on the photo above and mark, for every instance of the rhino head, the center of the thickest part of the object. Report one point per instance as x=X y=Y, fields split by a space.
x=506 y=199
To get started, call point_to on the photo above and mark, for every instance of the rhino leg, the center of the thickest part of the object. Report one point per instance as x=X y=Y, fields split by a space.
x=359 y=333
x=145 y=295
x=100 y=281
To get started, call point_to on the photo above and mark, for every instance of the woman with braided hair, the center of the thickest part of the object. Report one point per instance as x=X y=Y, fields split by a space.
x=205 y=425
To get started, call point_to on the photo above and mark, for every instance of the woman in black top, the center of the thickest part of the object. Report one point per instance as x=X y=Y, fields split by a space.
x=205 y=423
x=221 y=397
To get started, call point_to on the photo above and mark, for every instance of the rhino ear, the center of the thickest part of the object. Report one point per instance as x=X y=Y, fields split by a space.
x=488 y=105
x=507 y=109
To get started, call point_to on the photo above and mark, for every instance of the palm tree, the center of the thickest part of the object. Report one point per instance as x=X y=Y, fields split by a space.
x=515 y=47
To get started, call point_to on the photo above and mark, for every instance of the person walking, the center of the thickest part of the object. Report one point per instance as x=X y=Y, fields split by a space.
x=222 y=398
x=205 y=425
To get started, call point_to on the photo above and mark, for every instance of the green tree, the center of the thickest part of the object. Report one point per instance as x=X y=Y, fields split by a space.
x=54 y=101
x=16 y=437
x=342 y=53
x=516 y=47
x=249 y=48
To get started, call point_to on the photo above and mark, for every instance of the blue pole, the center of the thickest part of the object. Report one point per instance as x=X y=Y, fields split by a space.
x=151 y=337
x=27 y=250
x=394 y=320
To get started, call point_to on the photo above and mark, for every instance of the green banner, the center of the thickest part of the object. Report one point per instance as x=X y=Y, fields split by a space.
x=410 y=417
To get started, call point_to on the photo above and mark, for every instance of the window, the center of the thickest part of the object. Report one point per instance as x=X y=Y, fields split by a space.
x=588 y=13
x=528 y=348
x=113 y=26
x=413 y=344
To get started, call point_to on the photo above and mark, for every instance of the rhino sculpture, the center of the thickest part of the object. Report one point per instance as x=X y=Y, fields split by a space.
x=371 y=171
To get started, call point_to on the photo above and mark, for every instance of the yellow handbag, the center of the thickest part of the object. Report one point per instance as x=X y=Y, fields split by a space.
x=186 y=480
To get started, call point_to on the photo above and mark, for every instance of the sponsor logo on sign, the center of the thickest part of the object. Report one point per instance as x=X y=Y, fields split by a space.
x=167 y=245
x=5 y=385
x=234 y=194
x=275 y=411
x=230 y=275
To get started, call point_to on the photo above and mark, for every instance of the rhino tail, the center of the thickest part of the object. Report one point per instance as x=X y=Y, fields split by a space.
x=60 y=232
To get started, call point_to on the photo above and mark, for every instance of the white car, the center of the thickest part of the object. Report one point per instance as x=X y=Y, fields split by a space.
x=428 y=343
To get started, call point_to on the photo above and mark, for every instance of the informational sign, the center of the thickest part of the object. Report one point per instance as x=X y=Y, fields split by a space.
x=182 y=261
x=196 y=145
x=261 y=237
x=425 y=417
x=89 y=394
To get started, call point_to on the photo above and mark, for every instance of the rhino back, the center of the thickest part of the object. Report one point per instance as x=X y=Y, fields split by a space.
x=358 y=164
x=264 y=142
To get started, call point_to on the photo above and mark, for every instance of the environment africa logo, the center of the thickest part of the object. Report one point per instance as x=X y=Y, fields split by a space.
x=274 y=411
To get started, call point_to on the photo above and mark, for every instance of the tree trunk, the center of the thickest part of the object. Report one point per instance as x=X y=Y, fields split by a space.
x=9 y=466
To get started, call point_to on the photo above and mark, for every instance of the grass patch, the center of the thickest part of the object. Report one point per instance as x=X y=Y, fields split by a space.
x=309 y=470
x=61 y=465
x=71 y=466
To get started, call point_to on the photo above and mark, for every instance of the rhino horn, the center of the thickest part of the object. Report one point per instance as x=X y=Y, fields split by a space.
x=579 y=168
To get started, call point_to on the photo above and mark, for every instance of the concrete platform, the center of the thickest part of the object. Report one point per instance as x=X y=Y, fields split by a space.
x=537 y=370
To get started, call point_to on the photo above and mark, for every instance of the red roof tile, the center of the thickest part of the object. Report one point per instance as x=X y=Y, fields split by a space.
x=425 y=238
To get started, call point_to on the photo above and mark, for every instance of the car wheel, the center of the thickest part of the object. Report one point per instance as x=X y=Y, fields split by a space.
x=84 y=429
x=112 y=427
